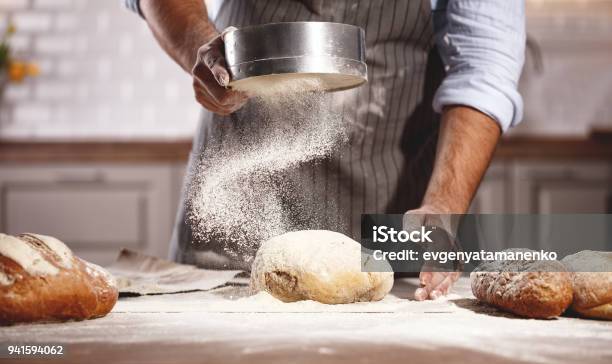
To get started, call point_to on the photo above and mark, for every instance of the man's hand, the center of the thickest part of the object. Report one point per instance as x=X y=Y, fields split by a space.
x=434 y=283
x=211 y=79
x=184 y=31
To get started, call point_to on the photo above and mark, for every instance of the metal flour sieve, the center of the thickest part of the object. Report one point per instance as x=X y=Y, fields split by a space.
x=334 y=53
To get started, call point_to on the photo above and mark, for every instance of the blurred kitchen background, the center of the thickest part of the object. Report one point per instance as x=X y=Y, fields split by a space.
x=95 y=137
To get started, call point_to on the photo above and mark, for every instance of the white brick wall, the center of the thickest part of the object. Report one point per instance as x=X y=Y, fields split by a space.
x=30 y=22
x=13 y=4
x=53 y=4
x=103 y=75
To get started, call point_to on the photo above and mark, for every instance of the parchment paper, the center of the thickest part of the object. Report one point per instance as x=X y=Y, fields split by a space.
x=139 y=274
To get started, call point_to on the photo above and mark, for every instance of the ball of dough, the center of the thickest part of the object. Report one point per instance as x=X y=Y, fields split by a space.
x=317 y=265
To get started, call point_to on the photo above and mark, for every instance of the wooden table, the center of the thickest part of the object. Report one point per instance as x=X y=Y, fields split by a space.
x=223 y=326
x=598 y=147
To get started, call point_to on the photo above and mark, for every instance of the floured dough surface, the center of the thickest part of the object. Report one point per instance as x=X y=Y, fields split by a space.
x=592 y=283
x=319 y=265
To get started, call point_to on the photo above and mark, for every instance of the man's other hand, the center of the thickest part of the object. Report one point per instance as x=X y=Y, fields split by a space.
x=434 y=284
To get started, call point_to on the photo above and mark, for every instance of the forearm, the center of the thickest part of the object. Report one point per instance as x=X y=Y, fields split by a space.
x=180 y=27
x=466 y=144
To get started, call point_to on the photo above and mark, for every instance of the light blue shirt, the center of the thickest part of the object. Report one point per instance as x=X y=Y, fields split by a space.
x=482 y=44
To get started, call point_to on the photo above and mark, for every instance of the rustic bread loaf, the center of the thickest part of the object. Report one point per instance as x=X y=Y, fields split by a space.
x=536 y=289
x=592 y=281
x=41 y=280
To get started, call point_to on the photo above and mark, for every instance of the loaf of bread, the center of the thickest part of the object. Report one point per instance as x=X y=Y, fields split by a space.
x=41 y=280
x=535 y=289
x=592 y=280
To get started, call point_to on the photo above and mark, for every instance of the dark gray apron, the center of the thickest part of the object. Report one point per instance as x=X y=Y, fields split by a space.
x=387 y=163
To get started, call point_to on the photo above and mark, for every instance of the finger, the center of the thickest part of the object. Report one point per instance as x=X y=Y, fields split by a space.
x=412 y=220
x=208 y=102
x=203 y=72
x=443 y=288
x=230 y=100
x=223 y=109
x=205 y=101
x=235 y=98
x=436 y=279
x=421 y=294
x=434 y=295
x=225 y=96
x=214 y=59
x=238 y=105
x=425 y=278
x=429 y=280
x=221 y=95
x=212 y=55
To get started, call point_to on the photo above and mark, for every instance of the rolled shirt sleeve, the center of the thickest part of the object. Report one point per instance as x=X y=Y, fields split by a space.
x=482 y=43
x=133 y=5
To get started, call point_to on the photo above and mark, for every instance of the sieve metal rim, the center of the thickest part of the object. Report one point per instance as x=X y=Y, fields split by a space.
x=297 y=47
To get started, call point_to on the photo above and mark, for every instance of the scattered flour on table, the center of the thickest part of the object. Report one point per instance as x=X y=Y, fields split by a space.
x=239 y=299
x=245 y=190
x=265 y=302
x=204 y=319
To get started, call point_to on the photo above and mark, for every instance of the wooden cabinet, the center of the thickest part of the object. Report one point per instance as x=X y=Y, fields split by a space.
x=545 y=188
x=562 y=187
x=567 y=190
x=96 y=209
